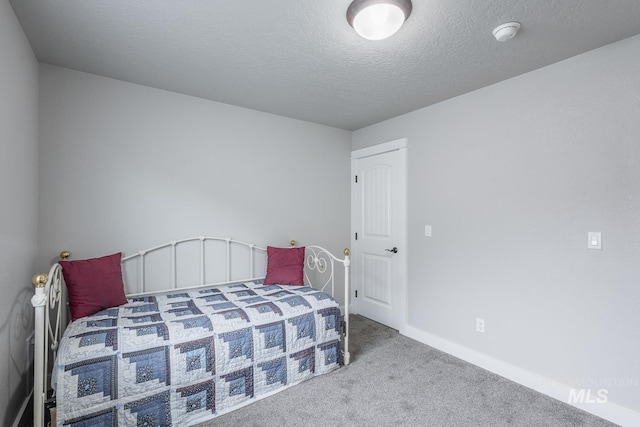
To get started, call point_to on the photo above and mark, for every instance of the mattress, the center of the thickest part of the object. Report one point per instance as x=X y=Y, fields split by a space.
x=184 y=357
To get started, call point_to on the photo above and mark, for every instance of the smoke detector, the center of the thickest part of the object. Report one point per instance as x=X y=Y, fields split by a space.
x=506 y=31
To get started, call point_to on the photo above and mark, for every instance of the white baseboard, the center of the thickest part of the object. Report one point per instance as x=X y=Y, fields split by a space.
x=607 y=410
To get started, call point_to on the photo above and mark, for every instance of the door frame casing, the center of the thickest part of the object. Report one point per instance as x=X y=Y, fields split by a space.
x=402 y=146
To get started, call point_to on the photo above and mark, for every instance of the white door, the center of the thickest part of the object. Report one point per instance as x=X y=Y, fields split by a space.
x=378 y=222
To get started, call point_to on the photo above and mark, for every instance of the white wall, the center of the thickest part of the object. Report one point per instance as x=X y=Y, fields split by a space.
x=512 y=177
x=18 y=215
x=126 y=167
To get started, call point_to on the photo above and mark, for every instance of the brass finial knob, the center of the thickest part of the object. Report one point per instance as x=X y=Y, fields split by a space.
x=347 y=252
x=39 y=280
x=65 y=254
x=293 y=243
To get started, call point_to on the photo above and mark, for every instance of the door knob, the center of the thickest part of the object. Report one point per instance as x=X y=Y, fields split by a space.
x=394 y=250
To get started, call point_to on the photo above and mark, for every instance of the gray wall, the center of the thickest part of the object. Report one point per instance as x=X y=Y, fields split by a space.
x=512 y=177
x=18 y=215
x=126 y=167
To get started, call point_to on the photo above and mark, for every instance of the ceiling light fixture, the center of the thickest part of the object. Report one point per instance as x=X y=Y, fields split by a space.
x=506 y=31
x=378 y=19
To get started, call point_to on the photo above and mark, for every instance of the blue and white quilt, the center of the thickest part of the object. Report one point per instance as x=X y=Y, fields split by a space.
x=184 y=357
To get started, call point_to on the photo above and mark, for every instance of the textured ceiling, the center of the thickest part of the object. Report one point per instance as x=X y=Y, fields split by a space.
x=301 y=59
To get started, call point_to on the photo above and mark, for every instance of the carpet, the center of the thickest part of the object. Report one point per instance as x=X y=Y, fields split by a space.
x=395 y=381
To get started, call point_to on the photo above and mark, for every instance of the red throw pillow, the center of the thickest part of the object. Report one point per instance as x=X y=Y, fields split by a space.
x=285 y=266
x=93 y=284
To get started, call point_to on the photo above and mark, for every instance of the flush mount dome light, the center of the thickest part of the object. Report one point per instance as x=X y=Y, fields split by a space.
x=378 y=19
x=506 y=31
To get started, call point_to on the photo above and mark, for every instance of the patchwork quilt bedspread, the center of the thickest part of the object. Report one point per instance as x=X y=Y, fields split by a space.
x=184 y=357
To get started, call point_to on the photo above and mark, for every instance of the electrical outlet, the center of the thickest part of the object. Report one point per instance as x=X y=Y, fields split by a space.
x=480 y=325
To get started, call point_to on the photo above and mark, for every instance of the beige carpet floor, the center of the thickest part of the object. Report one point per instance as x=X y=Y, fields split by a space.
x=395 y=381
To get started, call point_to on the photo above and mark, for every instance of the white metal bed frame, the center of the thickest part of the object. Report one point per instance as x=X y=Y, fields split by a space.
x=50 y=298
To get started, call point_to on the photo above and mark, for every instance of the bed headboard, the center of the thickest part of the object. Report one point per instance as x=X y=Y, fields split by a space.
x=191 y=262
x=200 y=261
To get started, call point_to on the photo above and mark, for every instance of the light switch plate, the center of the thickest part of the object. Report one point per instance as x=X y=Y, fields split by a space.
x=594 y=240
x=427 y=231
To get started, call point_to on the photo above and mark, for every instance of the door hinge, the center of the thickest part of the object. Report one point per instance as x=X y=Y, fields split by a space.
x=356 y=179
x=356 y=236
x=356 y=293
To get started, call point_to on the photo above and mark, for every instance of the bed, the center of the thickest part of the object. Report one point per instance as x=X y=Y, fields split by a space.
x=195 y=333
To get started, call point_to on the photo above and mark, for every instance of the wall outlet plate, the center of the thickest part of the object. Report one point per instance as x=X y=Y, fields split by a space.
x=480 y=325
x=594 y=240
